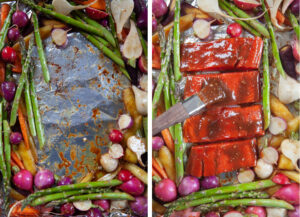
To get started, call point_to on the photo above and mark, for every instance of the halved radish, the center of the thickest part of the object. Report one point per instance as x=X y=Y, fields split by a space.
x=60 y=37
x=83 y=205
x=137 y=145
x=262 y=169
x=291 y=149
x=246 y=176
x=116 y=151
x=201 y=28
x=246 y=4
x=125 y=121
x=277 y=125
x=95 y=14
x=233 y=214
x=296 y=48
x=270 y=155
x=108 y=163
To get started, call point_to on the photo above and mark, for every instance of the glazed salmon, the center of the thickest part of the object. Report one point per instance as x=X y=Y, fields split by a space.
x=224 y=123
x=213 y=159
x=240 y=87
x=222 y=55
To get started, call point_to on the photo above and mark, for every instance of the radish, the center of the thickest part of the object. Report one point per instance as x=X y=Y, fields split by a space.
x=296 y=48
x=276 y=212
x=121 y=11
x=289 y=193
x=65 y=8
x=83 y=205
x=137 y=145
x=294 y=213
x=116 y=151
x=234 y=30
x=291 y=149
x=188 y=185
x=132 y=48
x=262 y=169
x=288 y=90
x=157 y=143
x=108 y=163
x=257 y=210
x=166 y=190
x=201 y=28
x=125 y=121
x=246 y=4
x=60 y=37
x=233 y=214
x=270 y=155
x=281 y=179
x=277 y=125
x=246 y=176
x=141 y=100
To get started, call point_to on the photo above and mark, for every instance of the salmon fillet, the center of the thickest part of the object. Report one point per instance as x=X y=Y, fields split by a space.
x=224 y=123
x=213 y=159
x=222 y=55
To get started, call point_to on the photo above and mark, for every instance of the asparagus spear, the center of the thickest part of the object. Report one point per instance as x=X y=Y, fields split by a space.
x=266 y=85
x=78 y=186
x=107 y=196
x=254 y=23
x=275 y=50
x=224 y=190
x=176 y=42
x=5 y=26
x=163 y=72
x=242 y=23
x=40 y=49
x=294 y=23
x=25 y=67
x=247 y=202
x=214 y=198
x=7 y=147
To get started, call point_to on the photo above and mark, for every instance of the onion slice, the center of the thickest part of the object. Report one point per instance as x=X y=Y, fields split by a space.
x=201 y=28
x=83 y=205
x=246 y=176
x=270 y=155
x=65 y=8
x=132 y=46
x=121 y=11
x=288 y=90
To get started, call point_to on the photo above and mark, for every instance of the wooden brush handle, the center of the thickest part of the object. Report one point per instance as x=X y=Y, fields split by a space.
x=176 y=114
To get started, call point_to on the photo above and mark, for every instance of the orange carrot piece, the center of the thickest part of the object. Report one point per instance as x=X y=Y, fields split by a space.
x=27 y=211
x=23 y=127
x=5 y=8
x=99 y=4
x=160 y=170
x=17 y=160
x=12 y=163
x=280 y=17
x=168 y=139
x=2 y=71
x=17 y=66
x=155 y=173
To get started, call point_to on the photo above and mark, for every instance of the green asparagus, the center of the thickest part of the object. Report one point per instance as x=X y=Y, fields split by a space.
x=176 y=42
x=7 y=147
x=266 y=85
x=6 y=26
x=294 y=23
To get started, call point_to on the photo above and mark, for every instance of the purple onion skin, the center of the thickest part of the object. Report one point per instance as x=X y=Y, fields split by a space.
x=154 y=24
x=157 y=143
x=212 y=214
x=159 y=8
x=23 y=180
x=139 y=206
x=15 y=138
x=104 y=204
x=142 y=19
x=67 y=209
x=20 y=19
x=8 y=89
x=65 y=181
x=188 y=185
x=94 y=212
x=295 y=212
x=44 y=179
x=13 y=34
x=295 y=7
x=210 y=182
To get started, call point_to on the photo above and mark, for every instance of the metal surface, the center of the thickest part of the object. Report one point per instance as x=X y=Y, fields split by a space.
x=79 y=107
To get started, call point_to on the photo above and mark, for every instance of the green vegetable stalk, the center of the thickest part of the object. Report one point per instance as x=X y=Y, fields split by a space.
x=294 y=23
x=266 y=85
x=7 y=147
x=176 y=42
x=6 y=26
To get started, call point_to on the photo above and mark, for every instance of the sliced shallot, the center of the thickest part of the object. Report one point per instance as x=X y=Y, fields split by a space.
x=116 y=151
x=270 y=155
x=125 y=121
x=277 y=125
x=60 y=37
x=246 y=176
x=132 y=48
x=201 y=28
x=65 y=8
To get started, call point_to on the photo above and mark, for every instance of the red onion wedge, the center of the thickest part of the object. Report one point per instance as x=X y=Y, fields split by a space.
x=285 y=5
x=270 y=155
x=116 y=151
x=142 y=63
x=246 y=4
x=277 y=125
x=201 y=28
x=125 y=121
x=233 y=214
x=246 y=176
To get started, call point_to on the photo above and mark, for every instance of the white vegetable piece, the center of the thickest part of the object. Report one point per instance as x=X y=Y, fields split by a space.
x=110 y=176
x=246 y=176
x=274 y=7
x=298 y=68
x=288 y=90
x=270 y=155
x=108 y=163
x=83 y=205
x=59 y=36
x=118 y=204
x=116 y=151
x=137 y=145
x=132 y=48
x=125 y=121
x=141 y=100
x=291 y=149
x=277 y=125
x=262 y=169
x=285 y=5
x=276 y=212
x=65 y=8
x=249 y=4
x=121 y=11
x=144 y=82
x=233 y=214
x=201 y=28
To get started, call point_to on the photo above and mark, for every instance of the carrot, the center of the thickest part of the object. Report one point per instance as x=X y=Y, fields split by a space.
x=282 y=19
x=12 y=163
x=155 y=173
x=17 y=160
x=23 y=126
x=27 y=211
x=17 y=66
x=160 y=170
x=99 y=4
x=168 y=139
x=5 y=8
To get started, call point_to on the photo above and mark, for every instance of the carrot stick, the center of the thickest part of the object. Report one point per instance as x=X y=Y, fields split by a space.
x=27 y=211
x=160 y=170
x=155 y=173
x=2 y=71
x=22 y=122
x=5 y=8
x=99 y=4
x=280 y=17
x=12 y=163
x=168 y=139
x=17 y=160
x=17 y=65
